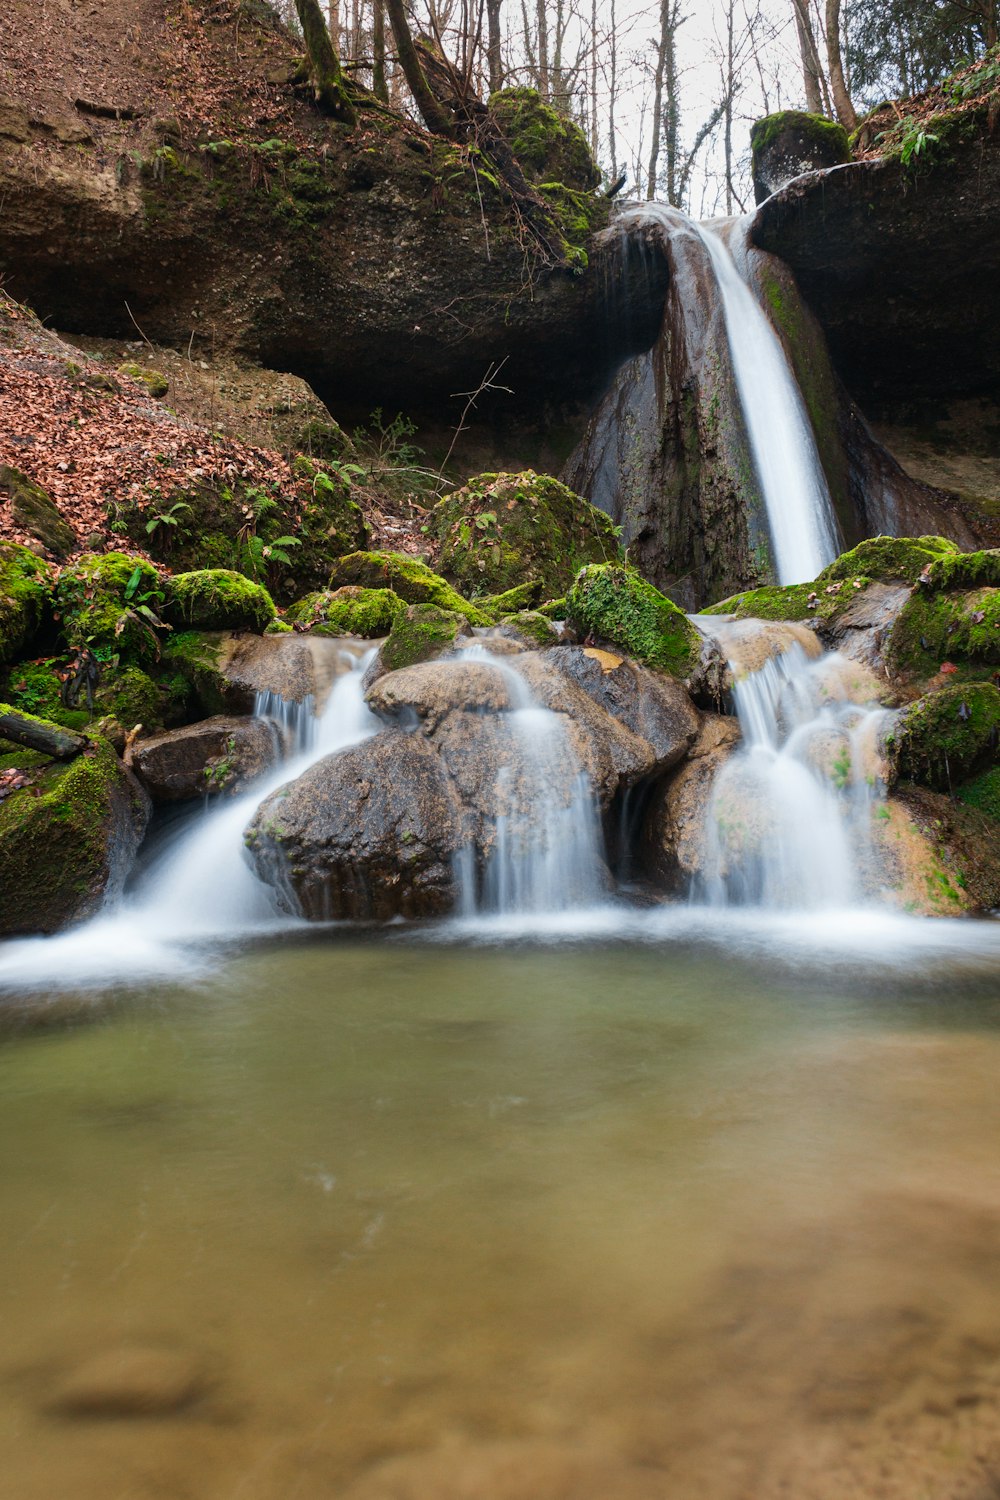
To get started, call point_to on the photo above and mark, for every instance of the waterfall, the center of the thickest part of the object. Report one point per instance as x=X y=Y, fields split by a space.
x=799 y=511
x=789 y=820
x=543 y=849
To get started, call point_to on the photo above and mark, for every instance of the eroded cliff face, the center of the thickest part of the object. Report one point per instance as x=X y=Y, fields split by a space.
x=220 y=211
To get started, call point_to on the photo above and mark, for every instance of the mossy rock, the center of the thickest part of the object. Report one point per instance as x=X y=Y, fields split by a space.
x=615 y=605
x=412 y=580
x=791 y=601
x=323 y=439
x=217 y=599
x=947 y=736
x=549 y=146
x=195 y=657
x=553 y=609
x=155 y=382
x=101 y=602
x=348 y=611
x=983 y=792
x=25 y=595
x=35 y=512
x=422 y=632
x=888 y=558
x=533 y=627
x=786 y=144
x=933 y=628
x=124 y=693
x=501 y=531
x=965 y=570
x=34 y=687
x=68 y=842
x=523 y=596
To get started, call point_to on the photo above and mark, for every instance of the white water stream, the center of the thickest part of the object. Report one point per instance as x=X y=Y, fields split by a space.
x=799 y=511
x=789 y=825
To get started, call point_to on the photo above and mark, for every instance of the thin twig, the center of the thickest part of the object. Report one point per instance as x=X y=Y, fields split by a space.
x=488 y=383
x=137 y=328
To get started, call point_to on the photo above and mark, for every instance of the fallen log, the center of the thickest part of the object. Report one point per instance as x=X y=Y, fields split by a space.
x=39 y=734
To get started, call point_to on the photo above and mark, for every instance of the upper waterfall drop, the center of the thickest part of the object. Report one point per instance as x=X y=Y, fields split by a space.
x=799 y=510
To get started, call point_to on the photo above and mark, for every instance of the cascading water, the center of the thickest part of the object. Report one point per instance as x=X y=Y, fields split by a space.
x=545 y=851
x=799 y=511
x=789 y=822
x=200 y=885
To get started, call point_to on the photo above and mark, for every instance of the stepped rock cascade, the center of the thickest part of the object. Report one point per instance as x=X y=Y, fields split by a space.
x=799 y=511
x=545 y=850
x=790 y=818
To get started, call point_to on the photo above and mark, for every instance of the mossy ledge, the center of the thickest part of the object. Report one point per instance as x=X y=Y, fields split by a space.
x=217 y=599
x=612 y=603
x=411 y=579
x=25 y=594
x=947 y=736
x=348 y=611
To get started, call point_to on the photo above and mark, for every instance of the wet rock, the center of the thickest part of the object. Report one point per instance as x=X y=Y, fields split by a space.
x=946 y=736
x=220 y=754
x=35 y=512
x=654 y=707
x=616 y=605
x=68 y=842
x=934 y=856
x=420 y=633
x=368 y=833
x=673 y=841
x=132 y=1381
x=431 y=690
x=862 y=630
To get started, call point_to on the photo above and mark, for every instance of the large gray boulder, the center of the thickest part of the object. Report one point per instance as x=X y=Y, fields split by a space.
x=220 y=754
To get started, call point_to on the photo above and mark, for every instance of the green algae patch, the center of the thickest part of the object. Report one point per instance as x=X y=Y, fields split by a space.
x=25 y=595
x=348 y=611
x=155 y=381
x=422 y=632
x=68 y=841
x=614 y=604
x=888 y=558
x=502 y=531
x=933 y=628
x=218 y=599
x=947 y=736
x=110 y=601
x=411 y=579
x=35 y=512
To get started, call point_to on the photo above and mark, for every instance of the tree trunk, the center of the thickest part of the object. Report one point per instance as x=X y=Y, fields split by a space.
x=494 y=56
x=613 y=94
x=324 y=65
x=846 y=112
x=661 y=54
x=811 y=70
x=434 y=116
x=544 y=82
x=39 y=734
x=380 y=87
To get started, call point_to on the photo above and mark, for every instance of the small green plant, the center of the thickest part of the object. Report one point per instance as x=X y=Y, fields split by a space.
x=913 y=143
x=168 y=518
x=840 y=770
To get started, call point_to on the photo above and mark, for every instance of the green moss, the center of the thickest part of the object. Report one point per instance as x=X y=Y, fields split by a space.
x=105 y=602
x=614 y=604
x=133 y=698
x=829 y=137
x=423 y=631
x=549 y=146
x=932 y=628
x=25 y=594
x=34 y=688
x=19 y=758
x=983 y=792
x=522 y=596
x=412 y=580
x=947 y=735
x=793 y=601
x=349 y=611
x=218 y=599
x=194 y=657
x=57 y=841
x=554 y=609
x=529 y=623
x=965 y=570
x=502 y=531
x=889 y=557
x=35 y=512
x=156 y=384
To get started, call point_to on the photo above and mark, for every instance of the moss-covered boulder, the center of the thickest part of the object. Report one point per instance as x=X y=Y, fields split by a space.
x=126 y=694
x=983 y=793
x=411 y=579
x=964 y=570
x=217 y=599
x=947 y=736
x=197 y=658
x=889 y=558
x=110 y=602
x=25 y=593
x=67 y=842
x=420 y=634
x=933 y=628
x=522 y=596
x=155 y=382
x=548 y=145
x=531 y=626
x=793 y=601
x=790 y=142
x=348 y=611
x=501 y=531
x=35 y=512
x=612 y=603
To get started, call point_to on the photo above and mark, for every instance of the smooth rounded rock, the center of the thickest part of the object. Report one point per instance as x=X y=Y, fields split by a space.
x=132 y=1381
